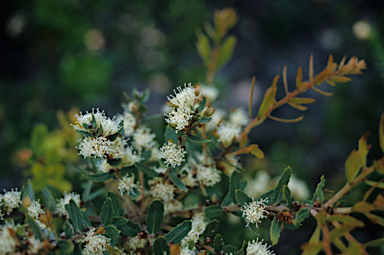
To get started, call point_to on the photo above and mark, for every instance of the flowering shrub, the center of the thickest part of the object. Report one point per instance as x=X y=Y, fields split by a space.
x=166 y=198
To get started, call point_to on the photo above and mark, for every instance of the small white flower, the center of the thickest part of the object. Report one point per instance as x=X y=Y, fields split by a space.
x=143 y=139
x=227 y=133
x=172 y=206
x=110 y=126
x=254 y=211
x=258 y=248
x=259 y=185
x=186 y=251
x=162 y=191
x=230 y=164
x=179 y=118
x=129 y=122
x=298 y=188
x=239 y=117
x=160 y=169
x=172 y=154
x=216 y=117
x=208 y=176
x=130 y=157
x=136 y=242
x=184 y=97
x=95 y=244
x=95 y=147
x=211 y=93
x=127 y=184
x=11 y=200
x=188 y=177
x=60 y=208
x=34 y=245
x=103 y=166
x=198 y=228
x=34 y=209
x=7 y=240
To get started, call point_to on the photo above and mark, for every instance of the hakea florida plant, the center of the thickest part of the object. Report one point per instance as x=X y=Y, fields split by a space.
x=142 y=196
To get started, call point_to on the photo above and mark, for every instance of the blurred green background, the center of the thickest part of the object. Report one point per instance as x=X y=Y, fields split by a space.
x=56 y=55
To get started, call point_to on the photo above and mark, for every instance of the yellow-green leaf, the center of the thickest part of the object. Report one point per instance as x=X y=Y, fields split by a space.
x=321 y=77
x=226 y=51
x=363 y=149
x=311 y=248
x=378 y=165
x=352 y=165
x=203 y=47
x=363 y=207
x=345 y=219
x=381 y=132
x=269 y=98
x=297 y=106
x=299 y=78
x=301 y=100
x=340 y=79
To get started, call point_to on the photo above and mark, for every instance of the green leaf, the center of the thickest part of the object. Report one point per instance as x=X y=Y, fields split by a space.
x=75 y=215
x=242 y=198
x=213 y=211
x=146 y=170
x=203 y=47
x=30 y=191
x=38 y=138
x=218 y=243
x=99 y=177
x=107 y=212
x=226 y=51
x=301 y=100
x=269 y=98
x=65 y=246
x=131 y=229
x=270 y=194
x=135 y=195
x=145 y=96
x=197 y=139
x=170 y=134
x=226 y=200
x=49 y=200
x=87 y=189
x=118 y=210
x=234 y=184
x=176 y=180
x=202 y=104
x=179 y=232
x=68 y=229
x=160 y=246
x=35 y=228
x=146 y=155
x=84 y=133
x=96 y=193
x=275 y=231
x=377 y=242
x=287 y=196
x=301 y=215
x=283 y=181
x=155 y=216
x=319 y=192
x=242 y=249
x=352 y=165
x=111 y=232
x=115 y=162
x=86 y=220
x=252 y=227
x=119 y=222
x=210 y=230
x=204 y=120
x=228 y=249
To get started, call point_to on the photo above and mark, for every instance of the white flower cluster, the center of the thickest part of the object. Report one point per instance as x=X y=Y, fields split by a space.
x=162 y=191
x=231 y=129
x=143 y=139
x=198 y=228
x=129 y=122
x=109 y=126
x=183 y=104
x=127 y=184
x=209 y=92
x=7 y=238
x=34 y=210
x=60 y=207
x=254 y=211
x=11 y=200
x=172 y=154
x=95 y=244
x=258 y=248
x=136 y=242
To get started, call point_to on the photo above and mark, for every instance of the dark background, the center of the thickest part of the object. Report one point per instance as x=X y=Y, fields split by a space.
x=58 y=54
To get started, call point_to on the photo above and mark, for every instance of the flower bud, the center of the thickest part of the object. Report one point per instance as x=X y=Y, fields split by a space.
x=197 y=90
x=209 y=112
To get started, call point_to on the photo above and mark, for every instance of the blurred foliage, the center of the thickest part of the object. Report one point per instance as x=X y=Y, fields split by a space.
x=51 y=154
